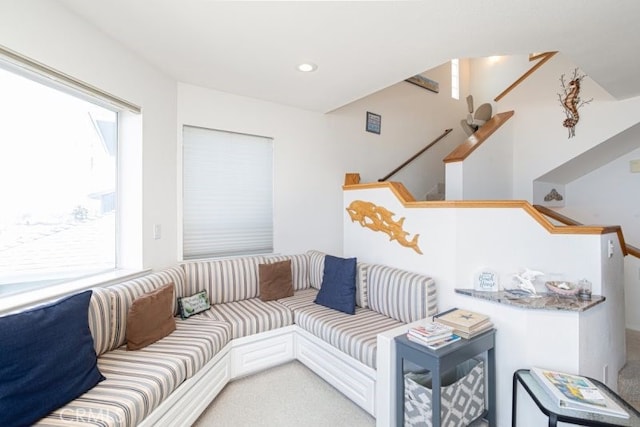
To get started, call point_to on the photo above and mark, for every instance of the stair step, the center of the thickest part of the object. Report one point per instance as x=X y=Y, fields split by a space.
x=435 y=196
x=629 y=382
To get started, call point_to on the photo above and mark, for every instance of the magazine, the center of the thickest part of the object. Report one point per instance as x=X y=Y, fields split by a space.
x=576 y=392
x=430 y=331
x=435 y=345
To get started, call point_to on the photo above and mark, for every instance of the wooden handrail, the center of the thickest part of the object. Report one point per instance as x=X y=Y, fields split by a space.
x=626 y=249
x=544 y=57
x=408 y=201
x=463 y=150
x=412 y=158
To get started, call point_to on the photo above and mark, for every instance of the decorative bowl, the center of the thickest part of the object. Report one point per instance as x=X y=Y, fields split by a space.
x=561 y=287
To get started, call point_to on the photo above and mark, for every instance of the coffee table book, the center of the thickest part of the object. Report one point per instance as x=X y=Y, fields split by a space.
x=463 y=320
x=576 y=392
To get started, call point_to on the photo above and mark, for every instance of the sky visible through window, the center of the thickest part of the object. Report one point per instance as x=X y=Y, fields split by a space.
x=57 y=185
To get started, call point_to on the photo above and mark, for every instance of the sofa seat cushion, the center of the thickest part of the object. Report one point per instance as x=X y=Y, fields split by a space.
x=300 y=299
x=355 y=335
x=194 y=342
x=251 y=316
x=138 y=381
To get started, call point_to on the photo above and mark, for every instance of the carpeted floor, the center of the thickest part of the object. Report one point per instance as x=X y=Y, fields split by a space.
x=629 y=376
x=273 y=399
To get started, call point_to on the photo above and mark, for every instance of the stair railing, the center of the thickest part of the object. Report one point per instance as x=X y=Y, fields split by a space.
x=626 y=249
x=415 y=156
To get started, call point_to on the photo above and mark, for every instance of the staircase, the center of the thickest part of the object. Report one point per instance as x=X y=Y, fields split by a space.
x=436 y=193
x=629 y=376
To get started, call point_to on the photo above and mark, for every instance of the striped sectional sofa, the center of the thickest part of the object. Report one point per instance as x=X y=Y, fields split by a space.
x=171 y=381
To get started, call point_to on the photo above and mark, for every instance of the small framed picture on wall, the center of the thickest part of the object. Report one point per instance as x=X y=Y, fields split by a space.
x=373 y=122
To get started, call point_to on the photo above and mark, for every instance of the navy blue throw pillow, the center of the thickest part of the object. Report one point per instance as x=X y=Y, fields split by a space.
x=46 y=359
x=338 y=289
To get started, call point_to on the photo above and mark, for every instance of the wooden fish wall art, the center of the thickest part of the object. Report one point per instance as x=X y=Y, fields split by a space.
x=378 y=218
x=571 y=102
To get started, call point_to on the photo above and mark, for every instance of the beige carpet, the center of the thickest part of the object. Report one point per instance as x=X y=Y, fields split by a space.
x=287 y=395
x=629 y=376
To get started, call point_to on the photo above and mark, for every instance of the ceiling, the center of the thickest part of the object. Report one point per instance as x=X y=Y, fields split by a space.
x=360 y=47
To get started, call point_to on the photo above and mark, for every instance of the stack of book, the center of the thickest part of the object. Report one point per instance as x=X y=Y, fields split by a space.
x=465 y=323
x=432 y=335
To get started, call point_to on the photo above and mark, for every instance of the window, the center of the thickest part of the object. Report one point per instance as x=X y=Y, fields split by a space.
x=455 y=79
x=58 y=159
x=227 y=193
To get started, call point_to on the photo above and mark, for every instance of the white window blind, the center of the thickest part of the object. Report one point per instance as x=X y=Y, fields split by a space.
x=227 y=193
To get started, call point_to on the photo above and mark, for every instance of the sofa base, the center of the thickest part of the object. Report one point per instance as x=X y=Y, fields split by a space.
x=261 y=351
x=183 y=407
x=351 y=377
x=248 y=355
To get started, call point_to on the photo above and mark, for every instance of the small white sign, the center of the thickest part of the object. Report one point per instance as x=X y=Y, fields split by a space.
x=486 y=280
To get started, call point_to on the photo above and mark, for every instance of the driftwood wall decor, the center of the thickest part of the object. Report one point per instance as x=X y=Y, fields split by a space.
x=571 y=102
x=378 y=218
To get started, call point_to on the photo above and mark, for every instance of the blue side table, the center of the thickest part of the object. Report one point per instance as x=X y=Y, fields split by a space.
x=440 y=361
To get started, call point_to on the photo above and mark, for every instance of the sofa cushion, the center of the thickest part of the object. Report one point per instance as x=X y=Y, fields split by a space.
x=137 y=382
x=47 y=359
x=123 y=295
x=338 y=290
x=150 y=317
x=355 y=335
x=316 y=268
x=100 y=316
x=400 y=294
x=226 y=280
x=362 y=300
x=300 y=299
x=275 y=280
x=299 y=268
x=193 y=304
x=251 y=316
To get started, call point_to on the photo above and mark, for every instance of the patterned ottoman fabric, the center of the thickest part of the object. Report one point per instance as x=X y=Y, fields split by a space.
x=355 y=335
x=251 y=316
x=462 y=401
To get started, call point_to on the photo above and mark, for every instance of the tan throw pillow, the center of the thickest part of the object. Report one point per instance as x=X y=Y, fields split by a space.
x=275 y=280
x=150 y=317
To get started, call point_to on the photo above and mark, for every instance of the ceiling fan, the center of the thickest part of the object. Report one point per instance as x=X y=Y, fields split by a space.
x=475 y=119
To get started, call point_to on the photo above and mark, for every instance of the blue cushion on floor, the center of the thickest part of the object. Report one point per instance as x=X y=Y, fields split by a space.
x=46 y=359
x=338 y=289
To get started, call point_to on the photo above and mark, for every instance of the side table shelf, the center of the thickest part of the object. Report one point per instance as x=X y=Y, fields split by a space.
x=440 y=361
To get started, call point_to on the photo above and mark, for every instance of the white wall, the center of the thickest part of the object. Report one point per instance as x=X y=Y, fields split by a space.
x=606 y=196
x=609 y=195
x=459 y=241
x=46 y=32
x=313 y=151
x=487 y=174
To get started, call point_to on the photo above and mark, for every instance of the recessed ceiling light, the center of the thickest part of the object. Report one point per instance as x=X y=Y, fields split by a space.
x=307 y=67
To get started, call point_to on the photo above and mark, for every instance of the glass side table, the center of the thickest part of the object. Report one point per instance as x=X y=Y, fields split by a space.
x=556 y=413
